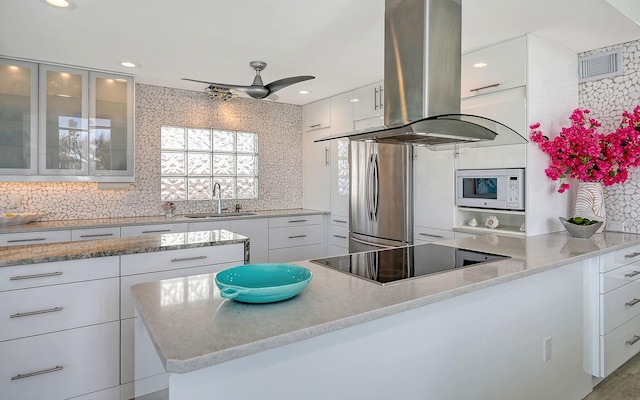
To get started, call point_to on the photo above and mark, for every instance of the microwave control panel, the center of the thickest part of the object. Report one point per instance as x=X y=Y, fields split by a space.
x=513 y=191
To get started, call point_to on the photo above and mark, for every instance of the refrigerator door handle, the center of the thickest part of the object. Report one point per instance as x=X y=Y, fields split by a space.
x=382 y=246
x=376 y=186
x=369 y=189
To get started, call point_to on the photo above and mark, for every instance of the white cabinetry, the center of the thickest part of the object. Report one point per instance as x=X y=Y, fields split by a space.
x=61 y=338
x=257 y=230
x=65 y=124
x=434 y=194
x=342 y=113
x=95 y=233
x=34 y=237
x=616 y=305
x=316 y=156
x=368 y=101
x=338 y=235
x=144 y=230
x=296 y=238
x=142 y=371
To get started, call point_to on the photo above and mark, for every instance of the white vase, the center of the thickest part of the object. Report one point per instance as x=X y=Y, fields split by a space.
x=590 y=202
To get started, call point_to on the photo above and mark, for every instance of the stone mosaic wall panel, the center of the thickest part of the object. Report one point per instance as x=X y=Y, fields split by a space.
x=279 y=152
x=607 y=99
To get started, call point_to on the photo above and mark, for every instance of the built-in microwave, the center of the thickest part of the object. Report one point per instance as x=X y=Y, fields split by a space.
x=490 y=188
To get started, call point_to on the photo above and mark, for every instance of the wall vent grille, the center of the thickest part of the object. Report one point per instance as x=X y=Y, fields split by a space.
x=601 y=65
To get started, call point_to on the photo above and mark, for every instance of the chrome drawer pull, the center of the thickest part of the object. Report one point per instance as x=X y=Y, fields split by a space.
x=26 y=240
x=426 y=234
x=297 y=236
x=632 y=302
x=20 y=277
x=315 y=125
x=27 y=314
x=339 y=221
x=339 y=236
x=30 y=374
x=188 y=258
x=632 y=274
x=96 y=235
x=484 y=87
x=634 y=254
x=634 y=340
x=298 y=220
x=158 y=231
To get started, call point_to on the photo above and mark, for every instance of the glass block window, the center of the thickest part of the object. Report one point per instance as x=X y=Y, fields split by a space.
x=192 y=160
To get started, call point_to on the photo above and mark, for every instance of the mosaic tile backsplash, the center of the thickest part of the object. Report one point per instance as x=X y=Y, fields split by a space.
x=278 y=127
x=607 y=99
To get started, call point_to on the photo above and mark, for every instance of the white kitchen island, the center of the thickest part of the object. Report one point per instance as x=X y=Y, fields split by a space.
x=472 y=333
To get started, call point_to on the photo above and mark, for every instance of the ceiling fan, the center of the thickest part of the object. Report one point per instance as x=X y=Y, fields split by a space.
x=257 y=90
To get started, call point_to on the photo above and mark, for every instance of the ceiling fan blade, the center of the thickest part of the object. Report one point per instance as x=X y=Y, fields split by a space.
x=283 y=83
x=220 y=85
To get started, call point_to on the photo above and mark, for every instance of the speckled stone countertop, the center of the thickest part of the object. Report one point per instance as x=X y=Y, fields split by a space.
x=149 y=220
x=41 y=253
x=222 y=330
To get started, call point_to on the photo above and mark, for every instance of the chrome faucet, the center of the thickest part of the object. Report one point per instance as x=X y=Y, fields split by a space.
x=217 y=185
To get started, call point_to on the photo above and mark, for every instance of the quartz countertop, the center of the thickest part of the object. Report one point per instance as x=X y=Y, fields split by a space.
x=51 y=252
x=148 y=220
x=221 y=330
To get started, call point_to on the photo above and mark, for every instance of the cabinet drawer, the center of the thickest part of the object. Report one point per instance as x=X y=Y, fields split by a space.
x=95 y=233
x=46 y=309
x=62 y=364
x=339 y=236
x=126 y=302
x=339 y=220
x=431 y=234
x=616 y=259
x=620 y=345
x=295 y=236
x=209 y=226
x=16 y=239
x=620 y=305
x=281 y=222
x=293 y=254
x=143 y=230
x=54 y=273
x=177 y=259
x=619 y=277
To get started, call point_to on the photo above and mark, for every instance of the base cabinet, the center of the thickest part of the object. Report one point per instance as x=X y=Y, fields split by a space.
x=296 y=238
x=61 y=365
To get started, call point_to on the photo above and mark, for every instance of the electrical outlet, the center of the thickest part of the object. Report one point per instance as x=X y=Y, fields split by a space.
x=13 y=201
x=616 y=226
x=546 y=344
x=130 y=198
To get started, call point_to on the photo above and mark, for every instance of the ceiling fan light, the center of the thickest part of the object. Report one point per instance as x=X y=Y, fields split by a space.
x=59 y=3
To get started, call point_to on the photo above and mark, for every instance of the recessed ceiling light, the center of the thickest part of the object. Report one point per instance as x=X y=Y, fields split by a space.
x=479 y=65
x=354 y=100
x=303 y=92
x=129 y=64
x=121 y=80
x=59 y=3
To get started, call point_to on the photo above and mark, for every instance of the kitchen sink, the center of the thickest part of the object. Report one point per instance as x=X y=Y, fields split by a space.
x=214 y=215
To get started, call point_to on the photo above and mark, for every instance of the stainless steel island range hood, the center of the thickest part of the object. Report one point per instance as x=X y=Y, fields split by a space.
x=422 y=80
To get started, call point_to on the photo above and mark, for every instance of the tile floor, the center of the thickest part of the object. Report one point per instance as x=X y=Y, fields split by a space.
x=623 y=384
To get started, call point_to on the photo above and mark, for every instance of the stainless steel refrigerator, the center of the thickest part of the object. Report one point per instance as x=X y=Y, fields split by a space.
x=381 y=196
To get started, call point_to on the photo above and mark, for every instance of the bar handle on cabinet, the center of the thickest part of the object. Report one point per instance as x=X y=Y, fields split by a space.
x=339 y=221
x=632 y=302
x=158 y=231
x=634 y=340
x=375 y=98
x=96 y=235
x=297 y=220
x=297 y=236
x=27 y=314
x=20 y=277
x=26 y=240
x=381 y=97
x=326 y=156
x=340 y=236
x=188 y=258
x=484 y=87
x=430 y=235
x=315 y=126
x=631 y=255
x=632 y=274
x=44 y=371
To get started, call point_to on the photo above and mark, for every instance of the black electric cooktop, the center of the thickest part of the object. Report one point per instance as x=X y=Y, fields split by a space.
x=391 y=265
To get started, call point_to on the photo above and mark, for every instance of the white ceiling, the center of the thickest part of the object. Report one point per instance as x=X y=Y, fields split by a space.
x=338 y=41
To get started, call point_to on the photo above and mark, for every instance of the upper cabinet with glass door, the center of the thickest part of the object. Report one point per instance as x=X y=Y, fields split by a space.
x=18 y=117
x=86 y=124
x=65 y=124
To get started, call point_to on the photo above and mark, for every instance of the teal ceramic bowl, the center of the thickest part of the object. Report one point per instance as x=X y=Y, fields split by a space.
x=262 y=283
